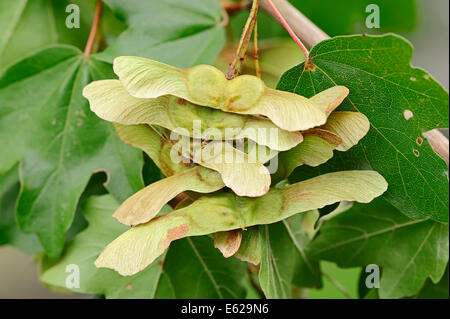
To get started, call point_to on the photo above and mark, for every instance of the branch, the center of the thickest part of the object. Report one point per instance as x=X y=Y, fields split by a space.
x=312 y=34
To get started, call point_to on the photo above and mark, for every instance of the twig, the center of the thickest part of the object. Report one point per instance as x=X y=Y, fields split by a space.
x=239 y=55
x=285 y=25
x=255 y=50
x=94 y=28
x=312 y=34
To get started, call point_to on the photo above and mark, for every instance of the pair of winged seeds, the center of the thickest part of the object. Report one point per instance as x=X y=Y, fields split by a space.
x=152 y=99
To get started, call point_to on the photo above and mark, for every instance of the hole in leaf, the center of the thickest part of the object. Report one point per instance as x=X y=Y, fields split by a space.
x=408 y=114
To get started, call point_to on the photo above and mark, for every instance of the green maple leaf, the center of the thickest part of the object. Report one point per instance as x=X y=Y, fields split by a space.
x=383 y=85
x=46 y=125
x=438 y=290
x=284 y=260
x=408 y=251
x=202 y=266
x=181 y=33
x=9 y=230
x=29 y=25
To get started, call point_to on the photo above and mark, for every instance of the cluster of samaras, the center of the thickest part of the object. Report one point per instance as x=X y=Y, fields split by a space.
x=151 y=100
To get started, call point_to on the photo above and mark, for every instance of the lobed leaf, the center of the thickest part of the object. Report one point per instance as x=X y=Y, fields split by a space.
x=383 y=86
x=10 y=233
x=411 y=250
x=138 y=247
x=182 y=33
x=22 y=34
x=58 y=142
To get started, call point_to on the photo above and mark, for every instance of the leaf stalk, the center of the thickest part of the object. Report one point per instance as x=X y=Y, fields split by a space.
x=285 y=25
x=94 y=28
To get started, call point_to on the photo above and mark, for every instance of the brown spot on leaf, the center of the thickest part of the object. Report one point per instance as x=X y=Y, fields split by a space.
x=416 y=152
x=309 y=66
x=181 y=101
x=129 y=287
x=419 y=141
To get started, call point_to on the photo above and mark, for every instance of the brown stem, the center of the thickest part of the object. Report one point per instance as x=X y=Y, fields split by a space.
x=312 y=34
x=255 y=50
x=239 y=55
x=94 y=28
